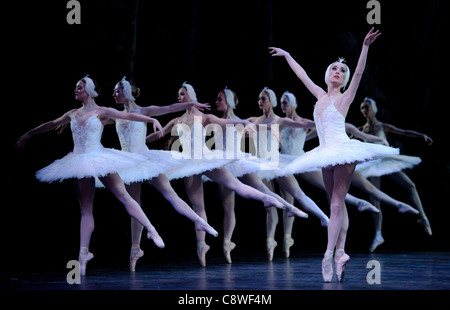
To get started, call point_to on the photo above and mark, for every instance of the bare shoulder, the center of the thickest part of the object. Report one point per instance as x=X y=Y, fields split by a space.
x=254 y=119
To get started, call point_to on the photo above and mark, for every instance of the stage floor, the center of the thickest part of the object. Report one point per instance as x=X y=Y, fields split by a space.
x=393 y=271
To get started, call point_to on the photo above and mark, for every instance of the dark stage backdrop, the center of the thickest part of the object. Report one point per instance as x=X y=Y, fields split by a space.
x=211 y=44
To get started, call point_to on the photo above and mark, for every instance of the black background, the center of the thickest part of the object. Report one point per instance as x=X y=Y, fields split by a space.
x=211 y=44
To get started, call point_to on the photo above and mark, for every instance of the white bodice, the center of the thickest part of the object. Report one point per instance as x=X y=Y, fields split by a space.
x=330 y=127
x=381 y=134
x=192 y=139
x=292 y=141
x=231 y=139
x=87 y=138
x=132 y=135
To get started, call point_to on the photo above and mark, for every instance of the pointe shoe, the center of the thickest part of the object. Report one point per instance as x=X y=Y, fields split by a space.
x=378 y=240
x=287 y=243
x=340 y=262
x=424 y=221
x=270 y=201
x=293 y=211
x=154 y=236
x=202 y=225
x=202 y=248
x=228 y=246
x=271 y=245
x=327 y=267
x=83 y=258
x=366 y=206
x=404 y=208
x=135 y=254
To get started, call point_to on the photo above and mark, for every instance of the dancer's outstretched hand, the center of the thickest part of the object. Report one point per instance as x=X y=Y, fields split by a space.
x=158 y=128
x=202 y=106
x=275 y=51
x=371 y=36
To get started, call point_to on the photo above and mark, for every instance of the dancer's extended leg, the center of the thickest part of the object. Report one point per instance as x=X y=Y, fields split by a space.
x=115 y=185
x=290 y=184
x=315 y=178
x=266 y=187
x=224 y=177
x=361 y=182
x=162 y=184
x=403 y=179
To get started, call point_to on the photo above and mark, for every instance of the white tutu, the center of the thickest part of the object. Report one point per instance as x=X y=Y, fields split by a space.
x=335 y=148
x=388 y=165
x=173 y=164
x=93 y=164
x=89 y=158
x=273 y=169
x=190 y=166
x=244 y=163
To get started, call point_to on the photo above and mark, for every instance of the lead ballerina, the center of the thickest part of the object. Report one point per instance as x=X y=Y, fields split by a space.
x=337 y=154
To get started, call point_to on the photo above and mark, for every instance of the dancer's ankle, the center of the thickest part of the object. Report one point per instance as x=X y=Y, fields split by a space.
x=328 y=253
x=339 y=252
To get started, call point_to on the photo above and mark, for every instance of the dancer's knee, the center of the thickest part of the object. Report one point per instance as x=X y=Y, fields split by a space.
x=336 y=209
x=86 y=210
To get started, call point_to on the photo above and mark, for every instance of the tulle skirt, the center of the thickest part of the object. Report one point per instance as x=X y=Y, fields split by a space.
x=193 y=165
x=347 y=152
x=96 y=163
x=243 y=163
x=388 y=165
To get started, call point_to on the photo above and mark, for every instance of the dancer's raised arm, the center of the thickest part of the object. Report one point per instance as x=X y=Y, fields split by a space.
x=356 y=79
x=299 y=71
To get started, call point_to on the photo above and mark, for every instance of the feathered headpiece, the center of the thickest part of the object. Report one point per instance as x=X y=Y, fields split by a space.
x=373 y=104
x=127 y=91
x=272 y=96
x=89 y=86
x=229 y=98
x=291 y=99
x=191 y=92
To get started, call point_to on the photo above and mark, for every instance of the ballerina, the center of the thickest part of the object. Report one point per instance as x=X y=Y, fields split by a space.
x=90 y=159
x=391 y=166
x=361 y=181
x=337 y=155
x=226 y=103
x=189 y=128
x=132 y=139
x=267 y=101
x=292 y=141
